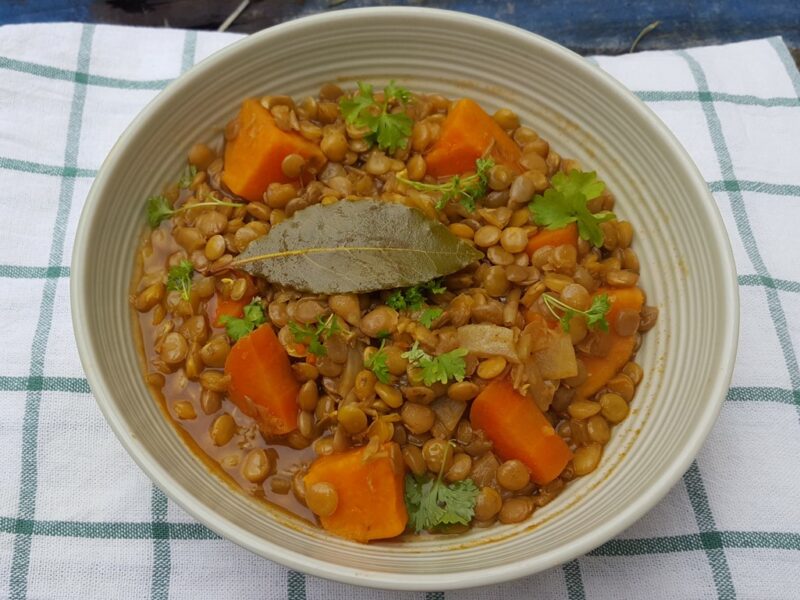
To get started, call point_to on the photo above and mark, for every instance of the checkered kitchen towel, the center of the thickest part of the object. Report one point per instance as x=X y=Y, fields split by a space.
x=79 y=520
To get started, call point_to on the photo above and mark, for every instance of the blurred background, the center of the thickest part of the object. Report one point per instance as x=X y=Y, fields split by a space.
x=586 y=26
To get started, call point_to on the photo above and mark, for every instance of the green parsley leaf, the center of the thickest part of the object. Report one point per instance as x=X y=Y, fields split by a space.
x=354 y=108
x=187 y=176
x=179 y=278
x=377 y=364
x=566 y=202
x=413 y=298
x=315 y=336
x=390 y=130
x=429 y=315
x=578 y=182
x=396 y=300
x=436 y=286
x=450 y=365
x=432 y=503
x=395 y=92
x=254 y=316
x=415 y=354
x=236 y=328
x=305 y=334
x=595 y=315
x=159 y=209
x=393 y=131
x=467 y=190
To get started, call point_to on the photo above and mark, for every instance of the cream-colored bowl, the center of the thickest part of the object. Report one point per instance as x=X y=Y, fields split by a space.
x=687 y=271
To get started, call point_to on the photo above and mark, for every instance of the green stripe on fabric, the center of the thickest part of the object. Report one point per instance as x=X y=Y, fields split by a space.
x=744 y=100
x=752 y=540
x=107 y=530
x=17 y=272
x=788 y=62
x=784 y=285
x=743 y=226
x=709 y=535
x=159 y=587
x=296 y=585
x=434 y=595
x=162 y=554
x=761 y=187
x=39 y=383
x=125 y=530
x=81 y=76
x=18 y=585
x=24 y=166
x=761 y=394
x=189 y=50
x=574 y=580
x=40 y=70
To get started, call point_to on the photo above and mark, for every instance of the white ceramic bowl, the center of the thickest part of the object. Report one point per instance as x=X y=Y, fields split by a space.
x=687 y=270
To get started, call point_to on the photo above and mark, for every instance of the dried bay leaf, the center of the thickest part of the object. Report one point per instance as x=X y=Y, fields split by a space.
x=359 y=246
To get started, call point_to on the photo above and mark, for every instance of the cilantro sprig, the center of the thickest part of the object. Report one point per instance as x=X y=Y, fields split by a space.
x=389 y=130
x=254 y=316
x=595 y=315
x=314 y=336
x=377 y=363
x=159 y=208
x=413 y=298
x=432 y=503
x=566 y=202
x=187 y=176
x=467 y=190
x=429 y=315
x=442 y=368
x=179 y=278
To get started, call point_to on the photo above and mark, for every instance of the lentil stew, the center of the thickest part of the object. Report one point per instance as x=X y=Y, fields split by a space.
x=460 y=400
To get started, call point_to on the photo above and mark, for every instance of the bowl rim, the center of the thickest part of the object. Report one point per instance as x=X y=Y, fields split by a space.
x=101 y=385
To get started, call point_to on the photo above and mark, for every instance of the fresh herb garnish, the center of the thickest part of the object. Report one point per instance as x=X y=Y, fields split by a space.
x=389 y=130
x=187 y=176
x=377 y=364
x=179 y=278
x=159 y=209
x=429 y=315
x=442 y=368
x=466 y=190
x=254 y=316
x=413 y=298
x=432 y=503
x=315 y=336
x=595 y=315
x=566 y=202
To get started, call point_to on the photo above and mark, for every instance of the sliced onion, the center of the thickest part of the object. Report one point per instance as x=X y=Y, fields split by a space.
x=557 y=359
x=485 y=339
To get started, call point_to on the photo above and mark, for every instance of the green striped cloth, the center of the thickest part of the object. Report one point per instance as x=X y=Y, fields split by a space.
x=79 y=520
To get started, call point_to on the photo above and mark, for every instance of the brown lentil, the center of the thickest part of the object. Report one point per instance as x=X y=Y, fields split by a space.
x=613 y=407
x=256 y=466
x=513 y=475
x=222 y=429
x=322 y=499
x=515 y=510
